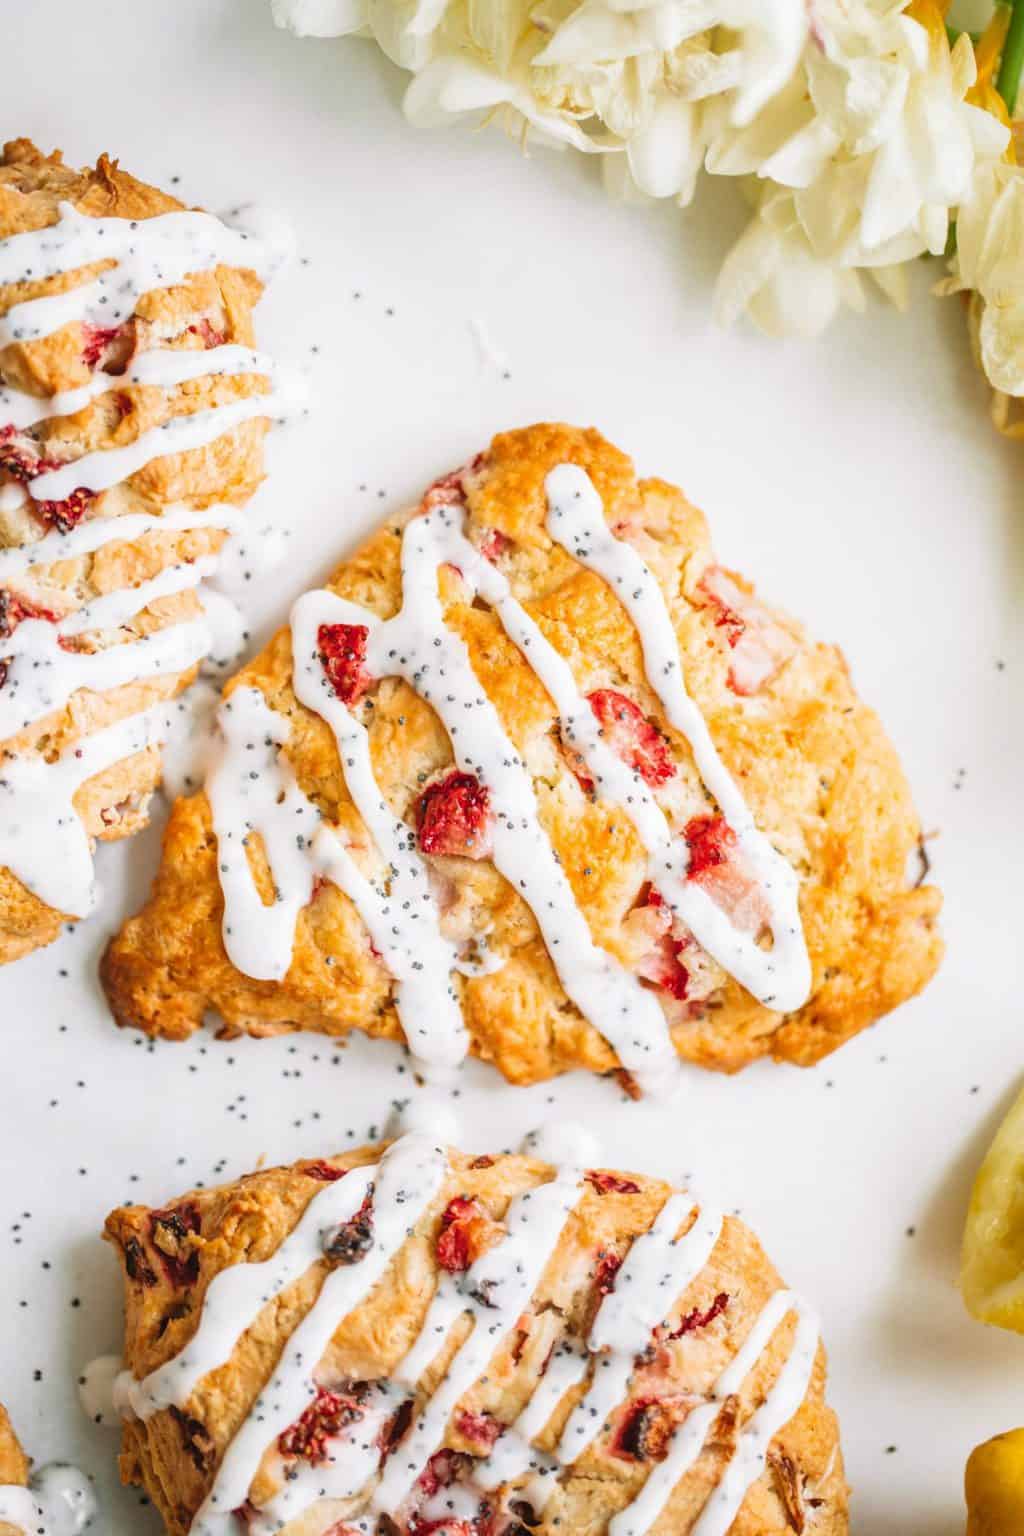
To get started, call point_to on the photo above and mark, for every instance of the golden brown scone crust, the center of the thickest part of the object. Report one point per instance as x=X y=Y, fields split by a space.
x=14 y=1466
x=813 y=763
x=174 y=1455
x=208 y=307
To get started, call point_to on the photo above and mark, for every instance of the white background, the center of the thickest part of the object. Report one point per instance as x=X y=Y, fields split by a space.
x=856 y=479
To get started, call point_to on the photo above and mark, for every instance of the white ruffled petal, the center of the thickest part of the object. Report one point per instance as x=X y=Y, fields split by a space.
x=319 y=18
x=665 y=157
x=1001 y=337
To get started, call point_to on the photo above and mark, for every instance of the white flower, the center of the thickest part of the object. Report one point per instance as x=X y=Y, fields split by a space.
x=773 y=276
x=990 y=261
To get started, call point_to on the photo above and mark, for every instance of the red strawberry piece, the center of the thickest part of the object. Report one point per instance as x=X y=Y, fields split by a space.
x=342 y=651
x=96 y=339
x=632 y=736
x=450 y=490
x=454 y=817
x=208 y=334
x=68 y=513
x=717 y=867
x=759 y=644
x=607 y=1268
x=611 y=1184
x=170 y=1233
x=13 y=609
x=466 y=1232
x=328 y=1415
x=494 y=543
x=661 y=964
x=479 y=1428
x=698 y=1319
x=443 y=1469
x=324 y=1172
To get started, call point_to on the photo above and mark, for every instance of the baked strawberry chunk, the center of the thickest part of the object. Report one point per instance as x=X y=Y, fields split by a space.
x=610 y=1183
x=450 y=490
x=13 y=609
x=717 y=867
x=632 y=737
x=342 y=651
x=696 y=1319
x=208 y=334
x=607 y=1267
x=493 y=544
x=480 y=1429
x=328 y=1415
x=351 y=1240
x=68 y=513
x=466 y=1233
x=661 y=963
x=96 y=342
x=454 y=817
x=171 y=1233
x=324 y=1172
x=760 y=646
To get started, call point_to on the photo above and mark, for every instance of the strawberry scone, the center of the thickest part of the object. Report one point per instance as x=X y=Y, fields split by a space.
x=408 y=1341
x=55 y=1501
x=533 y=777
x=133 y=410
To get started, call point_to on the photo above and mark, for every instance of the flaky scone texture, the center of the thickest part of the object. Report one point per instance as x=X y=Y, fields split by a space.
x=209 y=308
x=171 y=1257
x=14 y=1465
x=812 y=761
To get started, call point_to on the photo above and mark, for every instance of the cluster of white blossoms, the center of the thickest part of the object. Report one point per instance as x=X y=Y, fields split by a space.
x=861 y=132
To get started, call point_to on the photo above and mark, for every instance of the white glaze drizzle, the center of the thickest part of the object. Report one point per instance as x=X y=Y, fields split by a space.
x=42 y=839
x=161 y=369
x=747 y=1462
x=494 y=1292
x=404 y=1183
x=59 y=1501
x=417 y=645
x=150 y=253
x=781 y=976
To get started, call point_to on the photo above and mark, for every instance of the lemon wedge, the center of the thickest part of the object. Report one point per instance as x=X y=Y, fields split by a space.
x=992 y=1261
x=994 y=1486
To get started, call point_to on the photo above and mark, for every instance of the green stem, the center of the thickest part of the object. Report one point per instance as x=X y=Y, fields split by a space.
x=1008 y=82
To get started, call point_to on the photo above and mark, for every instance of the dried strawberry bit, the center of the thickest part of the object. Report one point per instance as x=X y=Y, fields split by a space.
x=696 y=1319
x=208 y=334
x=717 y=867
x=20 y=457
x=454 y=817
x=466 y=1233
x=483 y=1161
x=328 y=1415
x=198 y=1442
x=607 y=1267
x=632 y=737
x=450 y=490
x=96 y=341
x=14 y=609
x=342 y=652
x=493 y=544
x=66 y=514
x=610 y=1183
x=136 y=1263
x=646 y=1430
x=324 y=1172
x=171 y=1234
x=760 y=646
x=442 y=1470
x=352 y=1240
x=480 y=1429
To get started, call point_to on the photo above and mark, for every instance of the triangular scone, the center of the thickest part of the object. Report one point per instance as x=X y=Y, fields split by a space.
x=565 y=889
x=415 y=1342
x=132 y=416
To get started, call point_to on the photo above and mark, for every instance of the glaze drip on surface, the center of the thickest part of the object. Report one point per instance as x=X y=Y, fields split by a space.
x=492 y=1295
x=418 y=646
x=59 y=1501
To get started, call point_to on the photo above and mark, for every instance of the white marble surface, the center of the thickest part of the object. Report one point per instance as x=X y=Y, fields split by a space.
x=857 y=480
